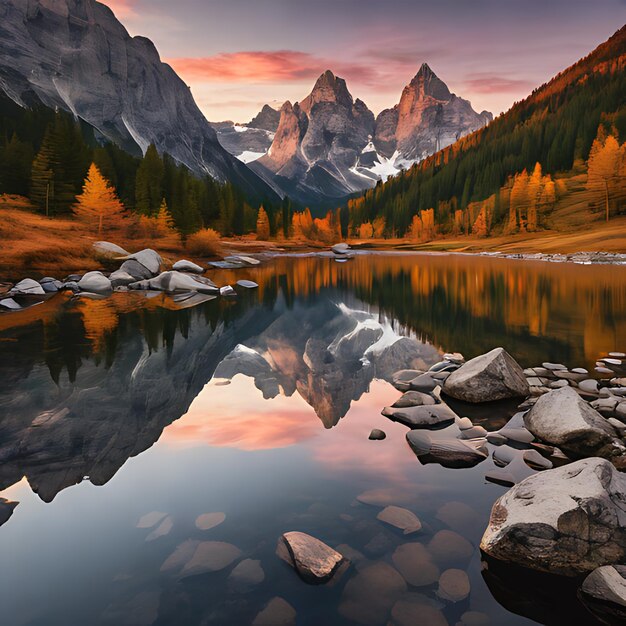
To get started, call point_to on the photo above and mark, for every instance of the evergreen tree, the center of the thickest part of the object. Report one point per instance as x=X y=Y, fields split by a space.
x=149 y=183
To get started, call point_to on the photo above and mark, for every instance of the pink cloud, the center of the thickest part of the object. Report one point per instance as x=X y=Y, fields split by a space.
x=121 y=8
x=267 y=66
x=489 y=83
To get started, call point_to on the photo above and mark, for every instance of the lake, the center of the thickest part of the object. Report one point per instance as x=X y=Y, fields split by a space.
x=126 y=420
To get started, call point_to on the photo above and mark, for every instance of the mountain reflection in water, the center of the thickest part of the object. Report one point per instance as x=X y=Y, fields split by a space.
x=89 y=384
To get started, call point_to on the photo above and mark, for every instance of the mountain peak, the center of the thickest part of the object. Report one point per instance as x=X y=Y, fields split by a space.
x=328 y=88
x=427 y=83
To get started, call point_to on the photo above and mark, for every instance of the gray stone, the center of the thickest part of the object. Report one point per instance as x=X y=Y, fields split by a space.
x=227 y=290
x=246 y=574
x=424 y=383
x=564 y=419
x=434 y=415
x=150 y=259
x=413 y=398
x=27 y=287
x=120 y=278
x=95 y=282
x=565 y=521
x=448 y=548
x=247 y=284
x=453 y=453
x=187 y=266
x=178 y=281
x=135 y=269
x=492 y=376
x=534 y=459
x=313 y=559
x=589 y=385
x=377 y=435
x=108 y=249
x=604 y=592
x=9 y=304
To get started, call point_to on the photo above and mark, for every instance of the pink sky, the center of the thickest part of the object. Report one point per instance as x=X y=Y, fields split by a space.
x=238 y=54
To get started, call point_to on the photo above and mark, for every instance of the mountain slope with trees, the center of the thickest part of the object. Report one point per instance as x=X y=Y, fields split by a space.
x=566 y=138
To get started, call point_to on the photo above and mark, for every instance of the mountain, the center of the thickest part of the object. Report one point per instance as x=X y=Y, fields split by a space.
x=554 y=160
x=330 y=146
x=250 y=141
x=427 y=119
x=318 y=143
x=76 y=56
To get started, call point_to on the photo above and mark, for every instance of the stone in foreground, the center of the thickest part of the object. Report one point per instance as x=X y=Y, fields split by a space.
x=313 y=559
x=562 y=418
x=400 y=518
x=431 y=416
x=277 y=612
x=451 y=453
x=185 y=265
x=454 y=585
x=604 y=593
x=95 y=282
x=492 y=376
x=566 y=521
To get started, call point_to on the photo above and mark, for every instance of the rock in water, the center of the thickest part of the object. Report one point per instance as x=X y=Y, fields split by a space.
x=313 y=559
x=211 y=556
x=277 y=612
x=435 y=415
x=95 y=282
x=377 y=435
x=566 y=521
x=604 y=593
x=452 y=453
x=135 y=269
x=413 y=398
x=454 y=585
x=416 y=565
x=120 y=277
x=400 y=518
x=247 y=284
x=562 y=418
x=27 y=287
x=150 y=259
x=492 y=376
x=187 y=266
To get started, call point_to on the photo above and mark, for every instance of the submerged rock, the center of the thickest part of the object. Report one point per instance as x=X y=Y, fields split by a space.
x=452 y=453
x=246 y=575
x=313 y=559
x=563 y=418
x=206 y=521
x=149 y=520
x=400 y=518
x=430 y=416
x=454 y=585
x=566 y=521
x=277 y=612
x=416 y=564
x=492 y=376
x=211 y=556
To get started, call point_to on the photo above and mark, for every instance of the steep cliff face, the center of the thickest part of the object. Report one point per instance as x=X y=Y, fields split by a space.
x=427 y=118
x=75 y=55
x=318 y=143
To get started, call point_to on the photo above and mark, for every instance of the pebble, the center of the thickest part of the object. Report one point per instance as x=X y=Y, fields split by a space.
x=554 y=366
x=454 y=585
x=465 y=423
x=377 y=434
x=588 y=386
x=206 y=521
x=400 y=518
x=536 y=461
x=618 y=355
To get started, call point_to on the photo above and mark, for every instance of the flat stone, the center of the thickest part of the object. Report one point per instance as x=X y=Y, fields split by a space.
x=377 y=435
x=454 y=585
x=566 y=521
x=589 y=385
x=424 y=383
x=604 y=593
x=277 y=612
x=465 y=423
x=475 y=432
x=400 y=518
x=435 y=415
x=247 y=284
x=496 y=439
x=313 y=559
x=452 y=453
x=618 y=355
x=151 y=519
x=108 y=249
x=536 y=461
x=454 y=357
x=181 y=555
x=501 y=477
x=413 y=398
x=206 y=521
x=449 y=548
x=369 y=596
x=492 y=376
x=246 y=574
x=10 y=304
x=162 y=529
x=416 y=565
x=460 y=517
x=554 y=366
x=211 y=556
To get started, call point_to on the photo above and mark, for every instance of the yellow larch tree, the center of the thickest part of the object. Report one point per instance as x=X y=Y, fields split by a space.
x=262 y=225
x=98 y=204
x=603 y=168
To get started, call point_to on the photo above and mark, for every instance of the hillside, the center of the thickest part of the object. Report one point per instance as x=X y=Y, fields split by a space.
x=553 y=161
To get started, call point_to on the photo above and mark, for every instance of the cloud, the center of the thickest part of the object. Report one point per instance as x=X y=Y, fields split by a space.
x=492 y=83
x=267 y=66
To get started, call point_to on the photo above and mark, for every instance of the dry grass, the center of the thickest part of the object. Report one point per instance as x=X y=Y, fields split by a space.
x=204 y=243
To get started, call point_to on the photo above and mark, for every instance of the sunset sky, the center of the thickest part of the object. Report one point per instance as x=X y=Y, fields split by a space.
x=240 y=54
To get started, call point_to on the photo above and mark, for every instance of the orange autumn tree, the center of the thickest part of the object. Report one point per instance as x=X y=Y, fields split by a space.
x=262 y=225
x=603 y=168
x=98 y=204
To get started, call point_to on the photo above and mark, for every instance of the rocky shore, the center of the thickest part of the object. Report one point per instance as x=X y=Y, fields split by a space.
x=582 y=258
x=143 y=271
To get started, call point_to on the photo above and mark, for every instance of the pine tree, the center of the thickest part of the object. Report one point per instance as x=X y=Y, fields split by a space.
x=149 y=182
x=42 y=175
x=98 y=204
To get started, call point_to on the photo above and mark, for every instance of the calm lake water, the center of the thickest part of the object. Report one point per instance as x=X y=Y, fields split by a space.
x=260 y=408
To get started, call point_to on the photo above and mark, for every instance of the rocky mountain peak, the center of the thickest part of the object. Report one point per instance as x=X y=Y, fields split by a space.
x=266 y=119
x=426 y=83
x=328 y=88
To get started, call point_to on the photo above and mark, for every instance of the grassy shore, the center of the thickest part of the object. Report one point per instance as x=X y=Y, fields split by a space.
x=32 y=243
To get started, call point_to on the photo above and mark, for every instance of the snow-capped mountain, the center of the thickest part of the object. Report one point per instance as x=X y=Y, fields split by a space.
x=329 y=145
x=250 y=141
x=75 y=55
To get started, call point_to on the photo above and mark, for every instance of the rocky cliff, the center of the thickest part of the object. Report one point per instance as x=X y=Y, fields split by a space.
x=75 y=55
x=427 y=119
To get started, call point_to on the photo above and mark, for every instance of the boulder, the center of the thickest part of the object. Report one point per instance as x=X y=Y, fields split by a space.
x=431 y=416
x=413 y=398
x=135 y=269
x=187 y=266
x=121 y=278
x=313 y=559
x=9 y=304
x=150 y=259
x=246 y=575
x=227 y=290
x=340 y=248
x=210 y=556
x=604 y=593
x=415 y=563
x=50 y=284
x=177 y=281
x=492 y=376
x=27 y=287
x=424 y=383
x=400 y=518
x=95 y=282
x=108 y=249
x=566 y=521
x=562 y=418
